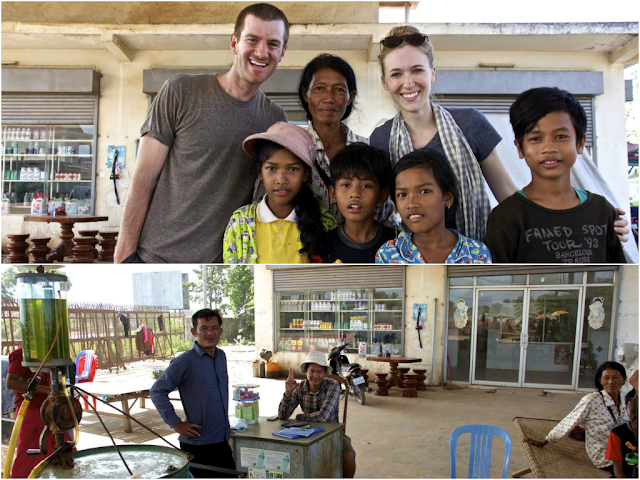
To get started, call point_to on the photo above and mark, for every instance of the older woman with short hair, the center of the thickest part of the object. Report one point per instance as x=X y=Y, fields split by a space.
x=327 y=91
x=599 y=413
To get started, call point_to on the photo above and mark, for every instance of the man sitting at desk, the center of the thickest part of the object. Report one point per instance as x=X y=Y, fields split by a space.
x=319 y=398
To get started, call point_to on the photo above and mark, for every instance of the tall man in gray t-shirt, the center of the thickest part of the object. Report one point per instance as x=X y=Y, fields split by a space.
x=191 y=172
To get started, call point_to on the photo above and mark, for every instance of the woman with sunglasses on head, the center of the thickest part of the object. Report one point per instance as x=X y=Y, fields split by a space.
x=326 y=90
x=464 y=135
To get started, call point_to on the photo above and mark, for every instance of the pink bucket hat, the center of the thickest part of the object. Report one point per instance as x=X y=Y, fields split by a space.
x=293 y=138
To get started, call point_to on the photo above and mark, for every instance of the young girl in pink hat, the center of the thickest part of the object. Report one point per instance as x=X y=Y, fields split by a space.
x=287 y=225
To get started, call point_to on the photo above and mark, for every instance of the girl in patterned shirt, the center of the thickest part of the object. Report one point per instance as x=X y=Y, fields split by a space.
x=425 y=192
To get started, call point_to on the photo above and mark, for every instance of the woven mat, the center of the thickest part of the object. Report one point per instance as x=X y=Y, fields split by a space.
x=565 y=459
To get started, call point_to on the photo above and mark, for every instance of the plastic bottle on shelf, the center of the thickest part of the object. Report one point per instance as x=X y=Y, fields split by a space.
x=28 y=134
x=23 y=173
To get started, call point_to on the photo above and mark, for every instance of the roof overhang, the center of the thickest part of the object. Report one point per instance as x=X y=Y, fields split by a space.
x=618 y=40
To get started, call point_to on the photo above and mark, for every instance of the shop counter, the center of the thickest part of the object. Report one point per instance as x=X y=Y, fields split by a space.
x=318 y=456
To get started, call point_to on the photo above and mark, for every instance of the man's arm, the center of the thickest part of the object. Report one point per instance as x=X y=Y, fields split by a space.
x=152 y=155
x=290 y=400
x=159 y=392
x=19 y=384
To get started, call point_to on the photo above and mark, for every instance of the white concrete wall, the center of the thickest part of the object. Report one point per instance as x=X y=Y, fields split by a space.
x=627 y=329
x=264 y=308
x=425 y=284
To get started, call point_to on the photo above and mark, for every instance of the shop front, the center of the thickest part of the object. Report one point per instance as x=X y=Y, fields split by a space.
x=522 y=326
x=314 y=312
x=49 y=135
x=545 y=328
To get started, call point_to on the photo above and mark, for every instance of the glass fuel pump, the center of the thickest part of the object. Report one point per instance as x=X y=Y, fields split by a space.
x=43 y=315
x=44 y=322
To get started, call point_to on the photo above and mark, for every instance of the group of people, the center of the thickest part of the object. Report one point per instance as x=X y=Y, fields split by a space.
x=201 y=377
x=609 y=416
x=221 y=175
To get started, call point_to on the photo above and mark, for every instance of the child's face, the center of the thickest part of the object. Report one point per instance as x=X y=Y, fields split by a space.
x=551 y=148
x=357 y=198
x=420 y=200
x=283 y=174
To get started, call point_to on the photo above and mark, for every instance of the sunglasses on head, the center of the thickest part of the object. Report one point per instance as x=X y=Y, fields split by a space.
x=413 y=39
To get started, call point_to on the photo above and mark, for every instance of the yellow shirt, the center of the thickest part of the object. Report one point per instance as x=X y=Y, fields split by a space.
x=277 y=239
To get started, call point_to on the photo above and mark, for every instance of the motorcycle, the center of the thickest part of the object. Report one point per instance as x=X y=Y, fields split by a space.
x=340 y=366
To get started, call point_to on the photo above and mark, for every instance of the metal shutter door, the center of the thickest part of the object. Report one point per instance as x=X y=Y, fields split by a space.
x=48 y=109
x=321 y=277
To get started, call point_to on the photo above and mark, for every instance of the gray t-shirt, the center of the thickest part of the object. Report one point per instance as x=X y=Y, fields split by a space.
x=207 y=175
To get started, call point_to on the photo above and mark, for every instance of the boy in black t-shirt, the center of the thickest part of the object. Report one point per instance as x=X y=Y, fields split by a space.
x=359 y=186
x=549 y=221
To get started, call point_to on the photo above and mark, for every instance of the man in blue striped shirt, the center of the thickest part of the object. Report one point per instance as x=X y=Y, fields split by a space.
x=201 y=377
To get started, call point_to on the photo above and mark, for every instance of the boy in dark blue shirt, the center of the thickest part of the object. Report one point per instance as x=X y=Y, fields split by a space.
x=549 y=221
x=359 y=186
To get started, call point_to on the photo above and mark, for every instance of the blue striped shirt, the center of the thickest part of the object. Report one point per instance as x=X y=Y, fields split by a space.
x=203 y=383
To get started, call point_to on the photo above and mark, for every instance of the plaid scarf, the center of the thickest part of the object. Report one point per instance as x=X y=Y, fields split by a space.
x=474 y=208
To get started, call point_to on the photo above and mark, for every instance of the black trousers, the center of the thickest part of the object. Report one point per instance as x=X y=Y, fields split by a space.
x=213 y=454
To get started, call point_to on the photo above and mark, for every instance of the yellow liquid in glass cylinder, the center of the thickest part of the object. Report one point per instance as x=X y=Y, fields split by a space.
x=39 y=321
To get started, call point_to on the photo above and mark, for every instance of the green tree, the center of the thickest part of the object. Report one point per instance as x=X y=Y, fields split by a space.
x=240 y=288
x=216 y=286
x=9 y=281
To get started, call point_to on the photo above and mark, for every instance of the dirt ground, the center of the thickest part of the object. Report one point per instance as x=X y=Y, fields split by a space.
x=394 y=437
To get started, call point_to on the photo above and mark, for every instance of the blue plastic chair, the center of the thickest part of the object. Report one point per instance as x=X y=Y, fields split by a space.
x=480 y=449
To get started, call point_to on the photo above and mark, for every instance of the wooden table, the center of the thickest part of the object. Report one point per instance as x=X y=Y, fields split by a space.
x=318 y=456
x=122 y=393
x=565 y=459
x=66 y=231
x=392 y=379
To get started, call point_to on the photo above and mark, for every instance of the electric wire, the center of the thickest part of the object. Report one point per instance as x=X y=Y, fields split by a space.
x=108 y=433
x=63 y=382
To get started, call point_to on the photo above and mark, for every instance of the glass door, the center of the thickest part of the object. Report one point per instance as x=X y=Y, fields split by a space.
x=550 y=353
x=498 y=337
